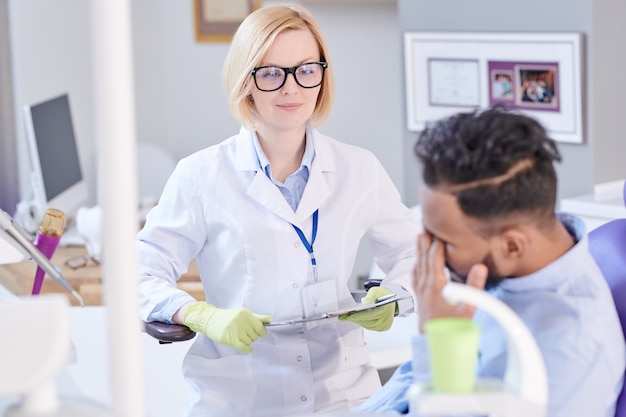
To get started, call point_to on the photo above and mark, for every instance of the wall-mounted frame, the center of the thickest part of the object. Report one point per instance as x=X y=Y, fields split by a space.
x=217 y=20
x=538 y=73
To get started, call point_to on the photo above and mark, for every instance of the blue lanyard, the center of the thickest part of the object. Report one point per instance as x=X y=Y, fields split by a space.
x=307 y=245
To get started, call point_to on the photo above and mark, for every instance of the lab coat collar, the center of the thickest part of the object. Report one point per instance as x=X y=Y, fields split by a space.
x=246 y=158
x=317 y=190
x=268 y=195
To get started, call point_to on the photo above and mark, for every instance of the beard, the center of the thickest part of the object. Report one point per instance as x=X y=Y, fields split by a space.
x=494 y=278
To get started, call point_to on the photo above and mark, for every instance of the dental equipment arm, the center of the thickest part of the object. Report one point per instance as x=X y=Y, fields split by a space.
x=20 y=240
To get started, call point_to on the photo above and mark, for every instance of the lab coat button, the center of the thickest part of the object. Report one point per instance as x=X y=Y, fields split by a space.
x=303 y=398
x=296 y=244
x=295 y=285
x=299 y=358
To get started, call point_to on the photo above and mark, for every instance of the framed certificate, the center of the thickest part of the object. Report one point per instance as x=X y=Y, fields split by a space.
x=453 y=82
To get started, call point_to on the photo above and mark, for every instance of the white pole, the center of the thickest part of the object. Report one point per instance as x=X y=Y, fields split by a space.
x=114 y=132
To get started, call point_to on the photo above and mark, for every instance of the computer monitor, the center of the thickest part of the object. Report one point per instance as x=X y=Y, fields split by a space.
x=56 y=175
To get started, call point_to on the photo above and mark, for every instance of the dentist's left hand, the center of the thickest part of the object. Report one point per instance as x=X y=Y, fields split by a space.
x=236 y=327
x=378 y=319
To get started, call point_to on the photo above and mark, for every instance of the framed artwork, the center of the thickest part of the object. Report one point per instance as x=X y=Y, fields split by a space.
x=217 y=20
x=524 y=85
x=537 y=73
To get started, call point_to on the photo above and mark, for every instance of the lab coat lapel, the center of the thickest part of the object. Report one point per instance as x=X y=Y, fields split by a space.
x=261 y=189
x=317 y=190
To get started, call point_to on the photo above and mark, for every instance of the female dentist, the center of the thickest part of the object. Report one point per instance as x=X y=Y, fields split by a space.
x=274 y=216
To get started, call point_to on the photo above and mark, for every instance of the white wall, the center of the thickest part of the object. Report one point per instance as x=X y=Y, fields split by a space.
x=607 y=106
x=50 y=43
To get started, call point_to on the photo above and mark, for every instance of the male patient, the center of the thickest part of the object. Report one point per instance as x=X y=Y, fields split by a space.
x=488 y=201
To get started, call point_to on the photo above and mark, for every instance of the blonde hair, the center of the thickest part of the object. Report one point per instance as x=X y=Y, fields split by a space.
x=250 y=46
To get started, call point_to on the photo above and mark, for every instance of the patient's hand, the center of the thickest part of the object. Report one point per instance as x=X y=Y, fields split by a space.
x=429 y=279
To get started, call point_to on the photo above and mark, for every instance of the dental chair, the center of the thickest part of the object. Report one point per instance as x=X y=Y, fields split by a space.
x=607 y=245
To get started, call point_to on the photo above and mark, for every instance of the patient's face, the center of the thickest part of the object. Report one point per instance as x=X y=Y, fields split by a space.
x=464 y=247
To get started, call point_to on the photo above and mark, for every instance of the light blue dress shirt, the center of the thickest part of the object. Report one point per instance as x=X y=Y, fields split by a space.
x=294 y=184
x=569 y=309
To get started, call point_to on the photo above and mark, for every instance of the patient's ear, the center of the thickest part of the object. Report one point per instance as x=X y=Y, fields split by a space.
x=514 y=243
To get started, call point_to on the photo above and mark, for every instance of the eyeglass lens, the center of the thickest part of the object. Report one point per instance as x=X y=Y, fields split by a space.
x=272 y=78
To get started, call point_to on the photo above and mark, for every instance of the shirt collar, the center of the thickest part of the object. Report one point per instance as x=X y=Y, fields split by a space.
x=574 y=225
x=307 y=158
x=553 y=273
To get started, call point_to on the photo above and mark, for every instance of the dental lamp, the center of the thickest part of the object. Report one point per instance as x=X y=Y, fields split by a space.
x=524 y=389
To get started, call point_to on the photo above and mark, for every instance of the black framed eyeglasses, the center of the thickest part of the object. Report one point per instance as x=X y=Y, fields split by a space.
x=307 y=75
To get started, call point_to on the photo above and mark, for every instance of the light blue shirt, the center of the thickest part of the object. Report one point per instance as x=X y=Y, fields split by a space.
x=294 y=184
x=569 y=309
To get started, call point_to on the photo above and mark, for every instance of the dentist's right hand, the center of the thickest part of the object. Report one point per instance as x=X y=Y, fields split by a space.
x=236 y=327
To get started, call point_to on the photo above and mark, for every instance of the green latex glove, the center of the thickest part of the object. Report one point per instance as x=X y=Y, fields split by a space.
x=236 y=327
x=379 y=318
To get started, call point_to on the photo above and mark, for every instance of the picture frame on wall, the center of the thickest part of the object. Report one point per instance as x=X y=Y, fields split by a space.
x=537 y=73
x=453 y=82
x=217 y=20
x=524 y=85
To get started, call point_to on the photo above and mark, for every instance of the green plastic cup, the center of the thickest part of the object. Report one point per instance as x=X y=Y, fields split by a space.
x=453 y=352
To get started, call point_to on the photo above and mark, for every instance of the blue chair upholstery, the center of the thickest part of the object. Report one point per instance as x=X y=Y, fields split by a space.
x=607 y=244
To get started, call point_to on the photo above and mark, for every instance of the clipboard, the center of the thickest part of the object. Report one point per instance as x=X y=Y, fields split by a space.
x=384 y=300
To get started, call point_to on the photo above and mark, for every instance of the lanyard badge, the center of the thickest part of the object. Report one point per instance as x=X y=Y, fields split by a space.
x=307 y=245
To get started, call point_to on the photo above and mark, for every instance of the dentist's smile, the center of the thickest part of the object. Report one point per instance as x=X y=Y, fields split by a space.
x=290 y=106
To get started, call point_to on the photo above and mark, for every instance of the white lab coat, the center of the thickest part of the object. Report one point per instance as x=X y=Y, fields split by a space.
x=220 y=208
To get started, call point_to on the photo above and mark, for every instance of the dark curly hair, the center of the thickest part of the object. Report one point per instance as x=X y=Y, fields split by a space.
x=498 y=163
